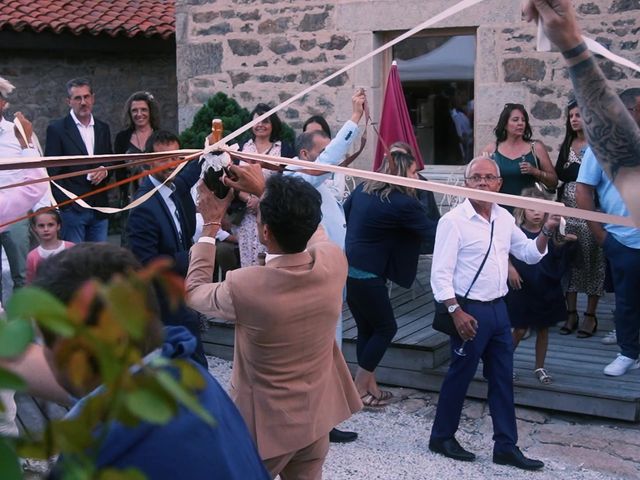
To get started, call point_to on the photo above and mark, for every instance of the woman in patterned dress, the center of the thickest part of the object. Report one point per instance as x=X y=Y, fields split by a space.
x=265 y=140
x=588 y=268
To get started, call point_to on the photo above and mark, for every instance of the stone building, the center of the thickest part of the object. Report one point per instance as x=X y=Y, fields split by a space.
x=268 y=50
x=121 y=45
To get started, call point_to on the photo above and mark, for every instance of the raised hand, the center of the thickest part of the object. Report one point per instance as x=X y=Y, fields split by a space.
x=210 y=206
x=558 y=19
x=357 y=102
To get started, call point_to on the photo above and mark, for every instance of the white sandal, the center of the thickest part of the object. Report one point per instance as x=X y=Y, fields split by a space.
x=542 y=376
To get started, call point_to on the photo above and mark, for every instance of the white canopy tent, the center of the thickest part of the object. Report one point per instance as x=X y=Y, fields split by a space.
x=453 y=60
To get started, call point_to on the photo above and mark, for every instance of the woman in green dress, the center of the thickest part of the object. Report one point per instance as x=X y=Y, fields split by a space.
x=514 y=151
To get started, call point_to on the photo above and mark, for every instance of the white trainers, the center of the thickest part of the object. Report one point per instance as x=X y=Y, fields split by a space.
x=621 y=365
x=610 y=338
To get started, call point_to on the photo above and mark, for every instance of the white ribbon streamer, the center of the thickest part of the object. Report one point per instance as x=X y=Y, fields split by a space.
x=547 y=206
x=597 y=48
x=448 y=189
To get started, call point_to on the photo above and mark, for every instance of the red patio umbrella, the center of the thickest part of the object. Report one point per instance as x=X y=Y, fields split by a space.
x=395 y=124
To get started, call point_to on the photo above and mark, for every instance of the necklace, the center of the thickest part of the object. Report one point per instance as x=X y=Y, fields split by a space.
x=140 y=144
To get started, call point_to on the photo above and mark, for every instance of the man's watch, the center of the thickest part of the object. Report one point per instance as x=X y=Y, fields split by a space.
x=452 y=308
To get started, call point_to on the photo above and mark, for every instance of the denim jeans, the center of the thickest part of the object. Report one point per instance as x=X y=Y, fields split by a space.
x=15 y=242
x=625 y=271
x=83 y=226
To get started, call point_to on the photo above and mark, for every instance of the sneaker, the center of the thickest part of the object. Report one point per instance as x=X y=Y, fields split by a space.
x=621 y=365
x=610 y=338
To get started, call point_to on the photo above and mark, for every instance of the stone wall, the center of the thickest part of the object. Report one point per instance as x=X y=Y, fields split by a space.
x=509 y=69
x=40 y=79
x=268 y=50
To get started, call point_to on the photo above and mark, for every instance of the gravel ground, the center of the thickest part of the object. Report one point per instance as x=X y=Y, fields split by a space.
x=393 y=443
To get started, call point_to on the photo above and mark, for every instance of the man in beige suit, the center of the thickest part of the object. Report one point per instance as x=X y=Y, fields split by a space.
x=289 y=381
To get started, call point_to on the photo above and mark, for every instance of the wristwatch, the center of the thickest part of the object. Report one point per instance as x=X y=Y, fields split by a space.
x=452 y=308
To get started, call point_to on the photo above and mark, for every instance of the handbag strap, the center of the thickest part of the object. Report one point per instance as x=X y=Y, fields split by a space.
x=484 y=260
x=533 y=152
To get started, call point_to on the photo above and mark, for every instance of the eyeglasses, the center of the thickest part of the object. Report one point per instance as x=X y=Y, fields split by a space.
x=514 y=105
x=633 y=109
x=476 y=179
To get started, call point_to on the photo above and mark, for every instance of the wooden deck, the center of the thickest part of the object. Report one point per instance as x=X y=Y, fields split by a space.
x=418 y=358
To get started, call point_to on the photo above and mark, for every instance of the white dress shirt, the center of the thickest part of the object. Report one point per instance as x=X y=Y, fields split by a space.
x=10 y=147
x=86 y=132
x=15 y=202
x=462 y=240
x=165 y=192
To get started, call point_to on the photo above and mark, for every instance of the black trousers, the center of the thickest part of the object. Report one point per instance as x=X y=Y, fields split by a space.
x=369 y=302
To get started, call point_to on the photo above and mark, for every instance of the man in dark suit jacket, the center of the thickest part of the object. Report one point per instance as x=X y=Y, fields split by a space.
x=79 y=133
x=164 y=226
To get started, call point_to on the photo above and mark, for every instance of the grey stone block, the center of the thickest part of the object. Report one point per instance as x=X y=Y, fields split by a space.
x=244 y=48
x=280 y=46
x=519 y=69
x=620 y=6
x=199 y=59
x=312 y=22
x=546 y=111
x=279 y=25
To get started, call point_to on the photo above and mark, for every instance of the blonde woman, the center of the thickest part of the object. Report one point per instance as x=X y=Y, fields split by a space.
x=385 y=226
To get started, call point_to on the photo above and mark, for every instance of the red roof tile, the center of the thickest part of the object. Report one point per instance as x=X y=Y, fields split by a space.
x=129 y=18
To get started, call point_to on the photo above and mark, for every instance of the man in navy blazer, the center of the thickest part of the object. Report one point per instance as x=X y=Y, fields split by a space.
x=79 y=133
x=164 y=226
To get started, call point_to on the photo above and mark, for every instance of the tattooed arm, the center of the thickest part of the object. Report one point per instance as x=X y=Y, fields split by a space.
x=612 y=132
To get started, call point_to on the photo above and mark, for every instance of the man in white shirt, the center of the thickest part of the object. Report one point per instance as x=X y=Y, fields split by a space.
x=316 y=146
x=464 y=236
x=79 y=133
x=15 y=240
x=14 y=203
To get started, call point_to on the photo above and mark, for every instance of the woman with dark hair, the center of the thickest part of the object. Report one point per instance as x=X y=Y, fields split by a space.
x=522 y=161
x=385 y=226
x=588 y=269
x=265 y=139
x=317 y=122
x=141 y=117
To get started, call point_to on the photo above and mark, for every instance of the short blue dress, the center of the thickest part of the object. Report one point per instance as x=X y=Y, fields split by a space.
x=540 y=302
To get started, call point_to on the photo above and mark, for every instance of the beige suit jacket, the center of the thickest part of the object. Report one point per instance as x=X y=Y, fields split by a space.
x=289 y=380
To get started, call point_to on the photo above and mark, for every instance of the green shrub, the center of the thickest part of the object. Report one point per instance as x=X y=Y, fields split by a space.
x=220 y=106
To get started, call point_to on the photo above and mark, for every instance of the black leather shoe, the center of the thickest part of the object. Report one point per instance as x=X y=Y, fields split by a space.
x=450 y=447
x=515 y=458
x=338 y=436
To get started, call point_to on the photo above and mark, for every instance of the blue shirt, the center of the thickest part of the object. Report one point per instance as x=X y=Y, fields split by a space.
x=185 y=447
x=332 y=213
x=611 y=202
